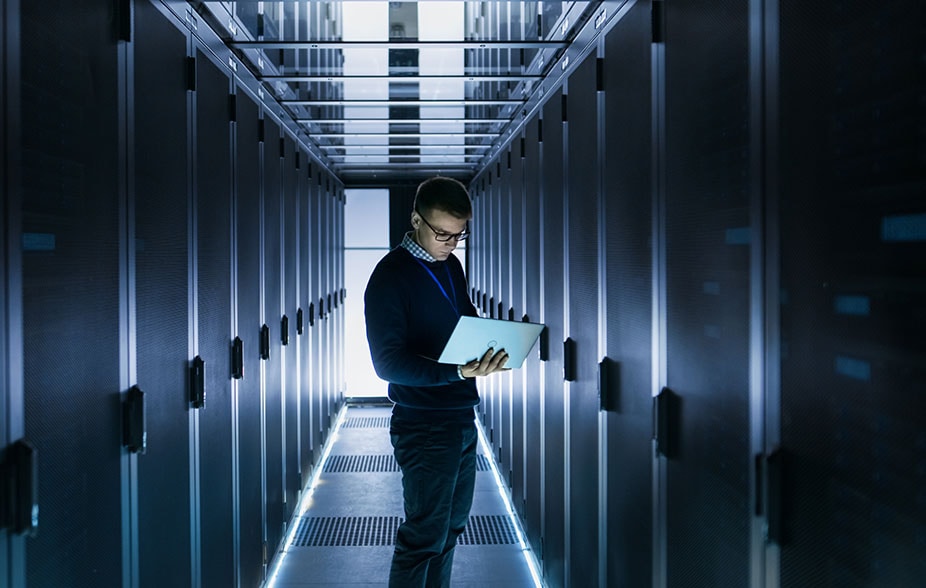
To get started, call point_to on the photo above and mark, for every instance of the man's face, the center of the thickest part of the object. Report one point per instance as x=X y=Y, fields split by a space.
x=442 y=224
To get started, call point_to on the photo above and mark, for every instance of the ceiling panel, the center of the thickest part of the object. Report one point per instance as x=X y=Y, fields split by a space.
x=389 y=90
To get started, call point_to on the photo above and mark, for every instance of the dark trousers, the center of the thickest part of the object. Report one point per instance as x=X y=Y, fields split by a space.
x=438 y=464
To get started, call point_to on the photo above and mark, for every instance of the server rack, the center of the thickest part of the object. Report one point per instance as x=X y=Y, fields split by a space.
x=155 y=248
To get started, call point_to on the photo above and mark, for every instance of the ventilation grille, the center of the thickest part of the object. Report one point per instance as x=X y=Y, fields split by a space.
x=341 y=464
x=366 y=423
x=380 y=531
x=346 y=531
x=488 y=530
x=344 y=464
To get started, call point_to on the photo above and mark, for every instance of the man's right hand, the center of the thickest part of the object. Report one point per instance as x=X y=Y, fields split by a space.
x=490 y=363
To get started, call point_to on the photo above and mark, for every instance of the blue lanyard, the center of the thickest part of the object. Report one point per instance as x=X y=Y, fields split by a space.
x=453 y=302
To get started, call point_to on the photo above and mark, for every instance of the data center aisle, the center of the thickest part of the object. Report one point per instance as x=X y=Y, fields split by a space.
x=346 y=535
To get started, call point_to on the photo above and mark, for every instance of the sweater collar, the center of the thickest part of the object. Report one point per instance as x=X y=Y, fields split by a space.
x=415 y=249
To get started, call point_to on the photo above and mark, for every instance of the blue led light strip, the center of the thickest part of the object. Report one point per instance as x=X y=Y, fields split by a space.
x=526 y=551
x=305 y=500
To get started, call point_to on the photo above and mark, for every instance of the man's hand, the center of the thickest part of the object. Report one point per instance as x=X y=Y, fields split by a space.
x=490 y=363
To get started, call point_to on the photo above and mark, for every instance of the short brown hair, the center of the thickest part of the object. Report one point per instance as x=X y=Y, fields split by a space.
x=446 y=194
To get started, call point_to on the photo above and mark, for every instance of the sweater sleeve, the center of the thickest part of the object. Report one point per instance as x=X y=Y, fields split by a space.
x=386 y=315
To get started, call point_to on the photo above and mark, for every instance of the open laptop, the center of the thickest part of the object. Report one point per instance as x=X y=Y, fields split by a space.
x=473 y=336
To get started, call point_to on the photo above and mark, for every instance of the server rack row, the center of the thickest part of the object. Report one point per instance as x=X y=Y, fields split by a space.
x=719 y=217
x=175 y=254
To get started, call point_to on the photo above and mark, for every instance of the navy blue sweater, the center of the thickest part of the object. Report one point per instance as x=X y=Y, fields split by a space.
x=409 y=320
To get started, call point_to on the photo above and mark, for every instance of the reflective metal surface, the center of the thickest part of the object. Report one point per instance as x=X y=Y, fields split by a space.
x=401 y=90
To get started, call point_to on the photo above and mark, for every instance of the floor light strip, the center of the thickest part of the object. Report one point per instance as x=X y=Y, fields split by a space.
x=526 y=551
x=306 y=499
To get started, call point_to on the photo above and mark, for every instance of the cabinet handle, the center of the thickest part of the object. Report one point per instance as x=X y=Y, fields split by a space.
x=134 y=425
x=544 y=344
x=775 y=471
x=237 y=358
x=664 y=420
x=22 y=509
x=606 y=383
x=300 y=321
x=198 y=382
x=569 y=360
x=284 y=330
x=265 y=342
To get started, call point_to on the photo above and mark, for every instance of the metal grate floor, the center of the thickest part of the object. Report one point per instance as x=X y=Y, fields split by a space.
x=346 y=537
x=366 y=423
x=374 y=531
x=350 y=464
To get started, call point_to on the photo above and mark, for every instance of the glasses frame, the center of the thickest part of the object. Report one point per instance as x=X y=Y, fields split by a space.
x=443 y=237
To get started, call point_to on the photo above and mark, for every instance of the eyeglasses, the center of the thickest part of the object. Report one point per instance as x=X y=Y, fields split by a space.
x=442 y=236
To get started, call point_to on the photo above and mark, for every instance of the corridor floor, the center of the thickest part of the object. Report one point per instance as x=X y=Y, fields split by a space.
x=346 y=535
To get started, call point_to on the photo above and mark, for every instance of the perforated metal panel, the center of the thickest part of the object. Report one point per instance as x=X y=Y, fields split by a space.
x=273 y=312
x=582 y=215
x=533 y=367
x=305 y=299
x=853 y=261
x=517 y=250
x=70 y=290
x=553 y=247
x=629 y=297
x=291 y=389
x=339 y=464
x=346 y=531
x=214 y=197
x=162 y=295
x=707 y=291
x=365 y=423
x=247 y=159
x=380 y=531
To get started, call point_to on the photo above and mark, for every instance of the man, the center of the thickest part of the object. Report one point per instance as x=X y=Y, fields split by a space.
x=413 y=300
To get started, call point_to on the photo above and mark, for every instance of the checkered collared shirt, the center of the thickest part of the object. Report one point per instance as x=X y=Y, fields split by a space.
x=415 y=249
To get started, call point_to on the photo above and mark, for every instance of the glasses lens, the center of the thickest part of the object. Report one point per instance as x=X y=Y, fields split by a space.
x=443 y=237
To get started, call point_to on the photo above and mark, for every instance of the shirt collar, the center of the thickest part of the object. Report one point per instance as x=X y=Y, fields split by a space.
x=415 y=249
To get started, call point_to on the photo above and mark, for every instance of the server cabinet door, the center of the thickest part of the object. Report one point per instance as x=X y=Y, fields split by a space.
x=553 y=246
x=853 y=310
x=273 y=312
x=291 y=387
x=707 y=292
x=516 y=311
x=503 y=300
x=581 y=214
x=305 y=303
x=163 y=290
x=214 y=320
x=492 y=386
x=72 y=334
x=628 y=299
x=318 y=338
x=533 y=368
x=324 y=261
x=250 y=500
